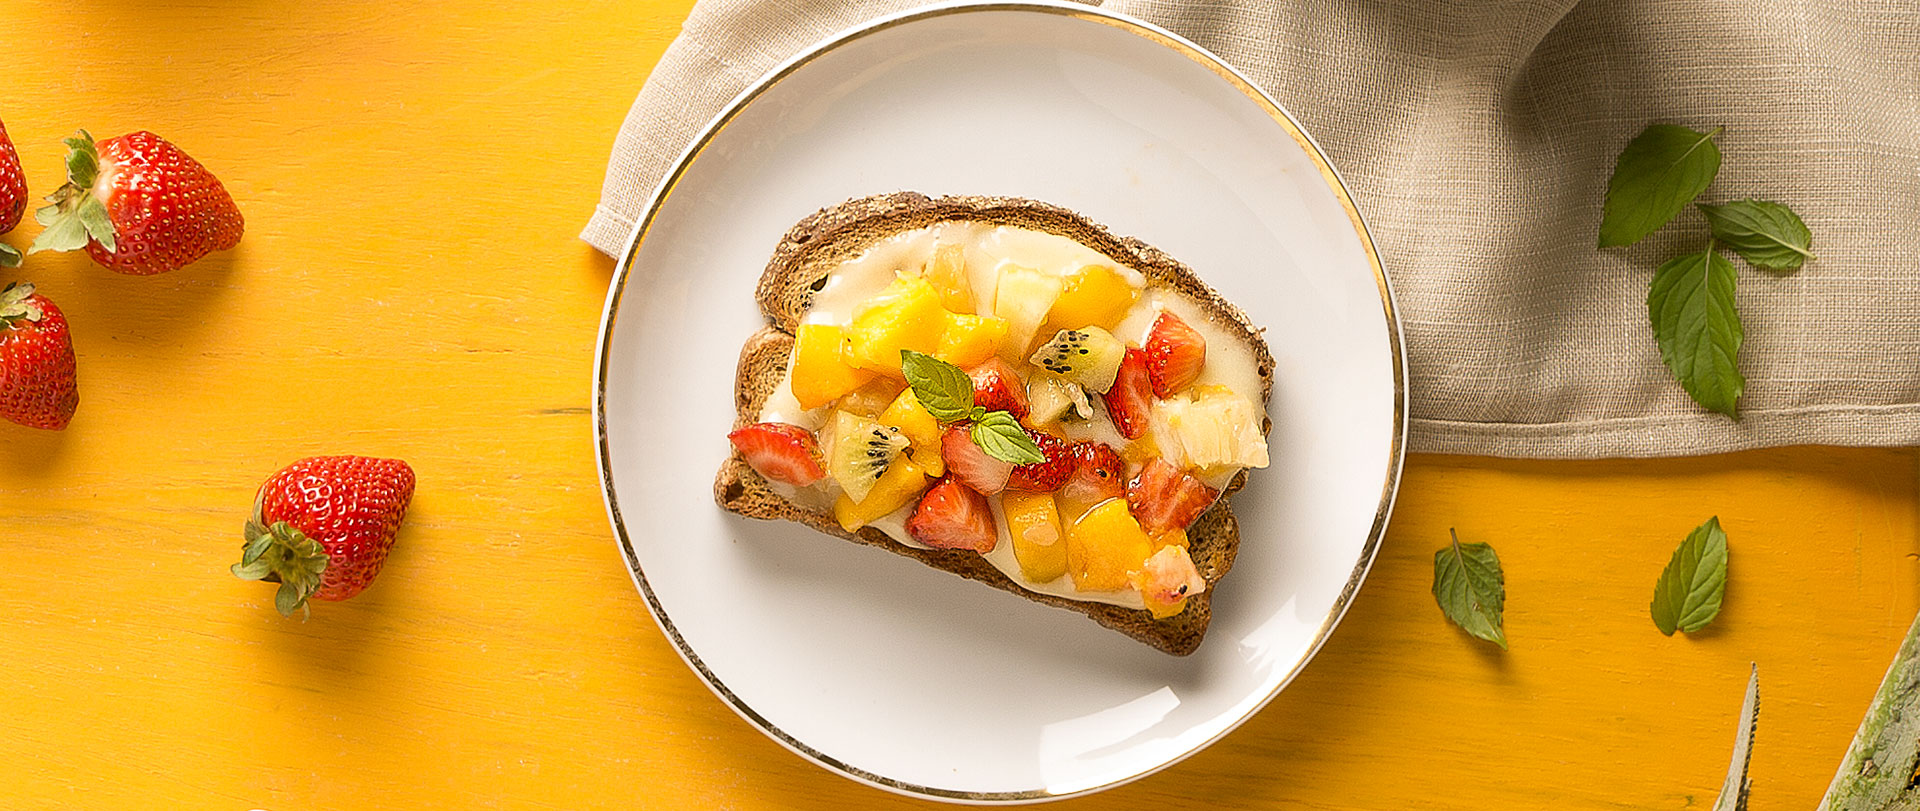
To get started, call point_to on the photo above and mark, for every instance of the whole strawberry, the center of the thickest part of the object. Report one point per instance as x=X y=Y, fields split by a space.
x=138 y=205
x=322 y=527
x=36 y=361
x=13 y=197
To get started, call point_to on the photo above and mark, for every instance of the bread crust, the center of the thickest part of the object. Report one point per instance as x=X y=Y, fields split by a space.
x=819 y=243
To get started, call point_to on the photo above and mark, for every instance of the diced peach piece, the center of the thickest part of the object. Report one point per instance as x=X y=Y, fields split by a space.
x=1094 y=296
x=821 y=373
x=920 y=428
x=1166 y=580
x=1105 y=547
x=970 y=339
x=1033 y=521
x=906 y=315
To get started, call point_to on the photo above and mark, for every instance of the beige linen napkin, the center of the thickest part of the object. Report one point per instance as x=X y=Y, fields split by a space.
x=1478 y=137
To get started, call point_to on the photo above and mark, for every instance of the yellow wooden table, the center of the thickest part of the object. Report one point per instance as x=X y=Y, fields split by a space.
x=413 y=177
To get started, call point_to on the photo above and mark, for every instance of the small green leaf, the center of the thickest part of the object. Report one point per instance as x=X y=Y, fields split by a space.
x=9 y=256
x=1691 y=305
x=1766 y=234
x=1001 y=436
x=941 y=387
x=93 y=216
x=256 y=546
x=64 y=233
x=83 y=160
x=1658 y=174
x=1690 y=589
x=1471 y=589
x=255 y=570
x=288 y=598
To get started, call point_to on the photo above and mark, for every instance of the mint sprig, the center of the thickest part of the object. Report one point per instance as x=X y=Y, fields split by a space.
x=1688 y=594
x=946 y=392
x=1658 y=174
x=1766 y=234
x=1471 y=589
x=1697 y=327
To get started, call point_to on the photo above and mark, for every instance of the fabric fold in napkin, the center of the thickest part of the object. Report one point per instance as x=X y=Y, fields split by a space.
x=1477 y=139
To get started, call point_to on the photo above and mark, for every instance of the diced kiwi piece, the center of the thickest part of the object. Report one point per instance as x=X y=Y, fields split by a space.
x=1089 y=356
x=859 y=449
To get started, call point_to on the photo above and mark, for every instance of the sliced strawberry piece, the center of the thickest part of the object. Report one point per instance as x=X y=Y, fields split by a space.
x=997 y=387
x=1175 y=353
x=968 y=463
x=1098 y=474
x=1131 y=396
x=1163 y=497
x=952 y=515
x=1043 y=477
x=781 y=452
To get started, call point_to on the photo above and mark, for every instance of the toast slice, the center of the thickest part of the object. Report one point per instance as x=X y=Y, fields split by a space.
x=819 y=243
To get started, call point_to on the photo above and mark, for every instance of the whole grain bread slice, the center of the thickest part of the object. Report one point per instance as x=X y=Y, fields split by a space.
x=819 y=243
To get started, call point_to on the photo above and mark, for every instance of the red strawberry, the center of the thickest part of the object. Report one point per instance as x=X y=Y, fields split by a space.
x=36 y=361
x=138 y=205
x=1044 y=477
x=322 y=526
x=781 y=452
x=13 y=196
x=1098 y=475
x=1175 y=353
x=968 y=463
x=1131 y=397
x=997 y=387
x=952 y=516
x=1163 y=497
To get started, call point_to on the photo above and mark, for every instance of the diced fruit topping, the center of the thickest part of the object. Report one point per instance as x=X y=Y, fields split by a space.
x=947 y=272
x=968 y=463
x=953 y=516
x=1172 y=537
x=1167 y=579
x=1164 y=498
x=1105 y=546
x=821 y=373
x=858 y=451
x=970 y=339
x=1216 y=428
x=781 y=452
x=895 y=489
x=1051 y=398
x=920 y=429
x=1089 y=356
x=1033 y=522
x=874 y=397
x=1175 y=354
x=1098 y=475
x=1023 y=297
x=906 y=315
x=1044 y=477
x=997 y=387
x=1094 y=295
x=1130 y=401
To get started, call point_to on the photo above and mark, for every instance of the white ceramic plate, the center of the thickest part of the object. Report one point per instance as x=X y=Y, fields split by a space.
x=906 y=677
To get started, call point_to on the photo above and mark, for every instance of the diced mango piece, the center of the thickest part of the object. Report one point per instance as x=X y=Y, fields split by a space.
x=1023 y=296
x=874 y=397
x=821 y=373
x=1172 y=537
x=1105 y=547
x=920 y=428
x=900 y=484
x=1033 y=521
x=906 y=315
x=947 y=272
x=970 y=340
x=1094 y=296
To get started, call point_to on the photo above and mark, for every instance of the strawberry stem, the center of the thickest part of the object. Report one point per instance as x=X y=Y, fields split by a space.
x=77 y=215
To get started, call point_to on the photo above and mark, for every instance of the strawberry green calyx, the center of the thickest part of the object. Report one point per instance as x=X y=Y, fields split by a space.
x=284 y=554
x=9 y=256
x=77 y=215
x=16 y=305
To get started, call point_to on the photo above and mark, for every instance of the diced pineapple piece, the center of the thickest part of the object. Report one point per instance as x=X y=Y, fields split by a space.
x=874 y=397
x=1095 y=296
x=1105 y=546
x=906 y=315
x=1023 y=296
x=821 y=373
x=970 y=340
x=902 y=482
x=947 y=272
x=920 y=428
x=1033 y=521
x=1216 y=428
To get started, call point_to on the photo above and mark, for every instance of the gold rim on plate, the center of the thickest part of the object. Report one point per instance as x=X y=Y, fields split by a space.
x=1151 y=33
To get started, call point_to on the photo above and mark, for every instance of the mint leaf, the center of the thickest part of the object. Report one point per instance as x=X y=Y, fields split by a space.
x=9 y=256
x=1658 y=174
x=1001 y=436
x=941 y=387
x=1766 y=234
x=1689 y=591
x=1691 y=305
x=1471 y=589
